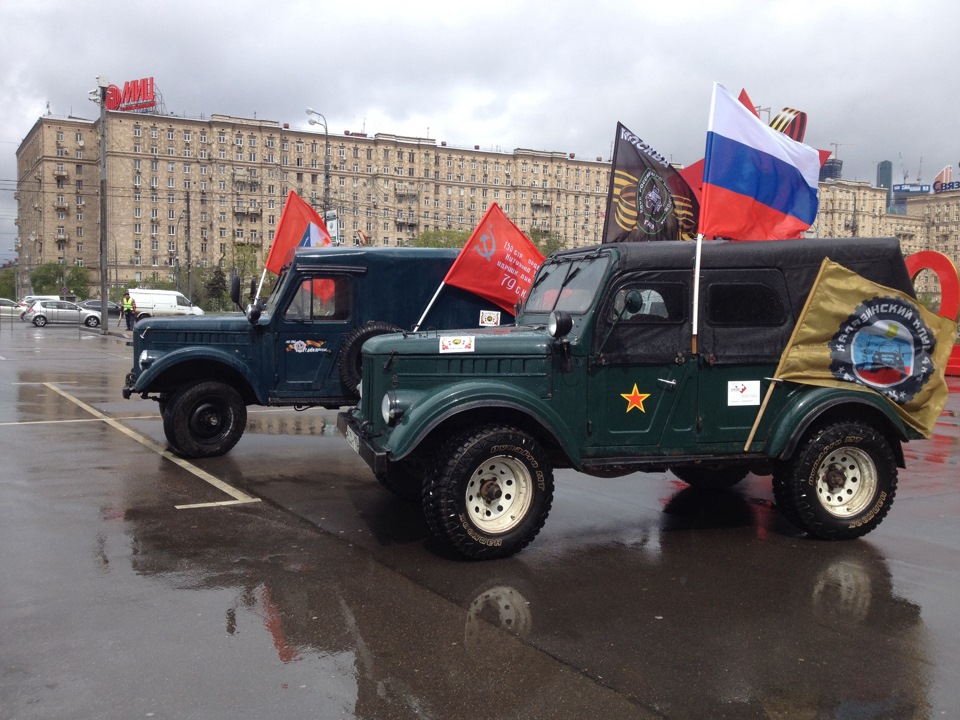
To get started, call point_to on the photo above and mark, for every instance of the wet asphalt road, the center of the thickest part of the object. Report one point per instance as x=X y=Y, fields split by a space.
x=281 y=581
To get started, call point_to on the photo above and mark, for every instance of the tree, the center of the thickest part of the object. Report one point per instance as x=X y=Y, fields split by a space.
x=442 y=238
x=217 y=289
x=78 y=281
x=8 y=283
x=47 y=279
x=546 y=242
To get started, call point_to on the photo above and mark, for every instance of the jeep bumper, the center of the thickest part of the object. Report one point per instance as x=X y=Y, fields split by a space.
x=360 y=441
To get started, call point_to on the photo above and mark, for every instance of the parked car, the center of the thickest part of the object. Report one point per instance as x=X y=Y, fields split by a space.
x=8 y=308
x=43 y=312
x=28 y=300
x=113 y=310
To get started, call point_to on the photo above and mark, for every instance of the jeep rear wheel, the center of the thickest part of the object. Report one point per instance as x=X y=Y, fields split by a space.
x=841 y=482
x=204 y=419
x=491 y=494
x=710 y=478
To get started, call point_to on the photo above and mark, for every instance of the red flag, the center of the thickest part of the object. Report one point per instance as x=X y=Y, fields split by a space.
x=497 y=263
x=299 y=225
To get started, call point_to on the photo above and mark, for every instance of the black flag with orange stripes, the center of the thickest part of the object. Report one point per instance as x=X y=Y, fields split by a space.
x=647 y=199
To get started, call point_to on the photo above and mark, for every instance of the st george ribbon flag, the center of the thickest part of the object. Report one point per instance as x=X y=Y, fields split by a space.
x=758 y=183
x=299 y=226
x=648 y=199
x=497 y=263
x=853 y=332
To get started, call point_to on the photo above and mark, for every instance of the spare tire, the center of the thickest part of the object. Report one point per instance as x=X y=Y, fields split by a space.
x=349 y=360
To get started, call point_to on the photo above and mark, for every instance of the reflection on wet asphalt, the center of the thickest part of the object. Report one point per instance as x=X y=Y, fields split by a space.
x=641 y=598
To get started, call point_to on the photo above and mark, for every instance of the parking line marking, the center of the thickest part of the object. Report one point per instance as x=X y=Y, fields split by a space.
x=239 y=497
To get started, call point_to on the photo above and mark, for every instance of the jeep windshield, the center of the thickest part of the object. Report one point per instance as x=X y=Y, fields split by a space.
x=567 y=283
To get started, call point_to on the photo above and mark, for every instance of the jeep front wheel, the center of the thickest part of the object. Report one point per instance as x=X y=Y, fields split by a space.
x=841 y=482
x=204 y=419
x=491 y=493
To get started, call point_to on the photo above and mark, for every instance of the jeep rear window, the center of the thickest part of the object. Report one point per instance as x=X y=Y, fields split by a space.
x=569 y=285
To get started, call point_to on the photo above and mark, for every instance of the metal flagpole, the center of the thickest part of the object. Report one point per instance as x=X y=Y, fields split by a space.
x=429 y=305
x=696 y=292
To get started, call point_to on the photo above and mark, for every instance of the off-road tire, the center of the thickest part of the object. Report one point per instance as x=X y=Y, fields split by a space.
x=204 y=419
x=491 y=492
x=840 y=483
x=349 y=360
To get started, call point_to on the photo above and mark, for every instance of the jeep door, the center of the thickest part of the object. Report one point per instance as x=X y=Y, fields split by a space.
x=746 y=323
x=310 y=329
x=642 y=386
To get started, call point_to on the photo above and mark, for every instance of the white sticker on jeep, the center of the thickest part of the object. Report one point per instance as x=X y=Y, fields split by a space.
x=456 y=343
x=489 y=318
x=743 y=392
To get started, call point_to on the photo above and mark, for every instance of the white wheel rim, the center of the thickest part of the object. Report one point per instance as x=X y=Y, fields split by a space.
x=498 y=495
x=846 y=482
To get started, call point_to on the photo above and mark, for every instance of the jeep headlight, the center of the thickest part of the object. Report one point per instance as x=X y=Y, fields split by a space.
x=390 y=408
x=145 y=359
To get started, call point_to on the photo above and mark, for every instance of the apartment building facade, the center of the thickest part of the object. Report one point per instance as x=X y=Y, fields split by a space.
x=197 y=192
x=201 y=191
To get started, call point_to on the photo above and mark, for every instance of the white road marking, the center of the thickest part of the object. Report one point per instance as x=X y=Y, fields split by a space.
x=238 y=496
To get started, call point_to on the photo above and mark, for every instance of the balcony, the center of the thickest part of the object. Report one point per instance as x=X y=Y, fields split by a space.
x=60 y=173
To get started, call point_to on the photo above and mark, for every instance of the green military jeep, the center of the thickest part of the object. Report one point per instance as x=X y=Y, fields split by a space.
x=602 y=373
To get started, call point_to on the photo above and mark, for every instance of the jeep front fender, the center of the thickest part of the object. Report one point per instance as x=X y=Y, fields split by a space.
x=804 y=409
x=152 y=376
x=430 y=409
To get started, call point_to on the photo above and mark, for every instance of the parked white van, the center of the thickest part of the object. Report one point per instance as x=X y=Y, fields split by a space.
x=159 y=303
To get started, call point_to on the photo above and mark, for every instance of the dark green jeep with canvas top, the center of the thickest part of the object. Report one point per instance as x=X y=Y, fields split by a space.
x=603 y=373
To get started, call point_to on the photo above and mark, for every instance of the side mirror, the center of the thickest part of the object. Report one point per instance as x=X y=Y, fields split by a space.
x=235 y=290
x=632 y=303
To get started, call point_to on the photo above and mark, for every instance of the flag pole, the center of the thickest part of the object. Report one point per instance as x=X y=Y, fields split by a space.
x=263 y=277
x=696 y=293
x=429 y=305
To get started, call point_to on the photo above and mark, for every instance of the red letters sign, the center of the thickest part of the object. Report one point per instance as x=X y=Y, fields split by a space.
x=136 y=95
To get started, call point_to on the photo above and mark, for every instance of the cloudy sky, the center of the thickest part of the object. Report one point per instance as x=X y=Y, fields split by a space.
x=877 y=78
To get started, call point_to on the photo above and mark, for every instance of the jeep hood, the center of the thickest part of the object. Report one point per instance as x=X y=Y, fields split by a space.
x=504 y=340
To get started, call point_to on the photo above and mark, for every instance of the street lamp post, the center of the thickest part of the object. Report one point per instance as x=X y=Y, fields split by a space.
x=326 y=158
x=99 y=96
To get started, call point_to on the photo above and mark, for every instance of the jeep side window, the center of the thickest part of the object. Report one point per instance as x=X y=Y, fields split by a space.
x=320 y=299
x=654 y=308
x=746 y=315
x=657 y=332
x=662 y=303
x=744 y=305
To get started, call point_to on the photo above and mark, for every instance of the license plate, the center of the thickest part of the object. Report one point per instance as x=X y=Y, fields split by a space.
x=352 y=440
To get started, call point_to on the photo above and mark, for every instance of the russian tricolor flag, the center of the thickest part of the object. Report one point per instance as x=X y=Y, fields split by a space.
x=758 y=184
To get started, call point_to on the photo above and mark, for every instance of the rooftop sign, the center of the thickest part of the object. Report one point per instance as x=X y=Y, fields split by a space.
x=136 y=95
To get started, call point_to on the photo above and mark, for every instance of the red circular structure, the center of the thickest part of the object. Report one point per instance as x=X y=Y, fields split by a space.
x=946 y=272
